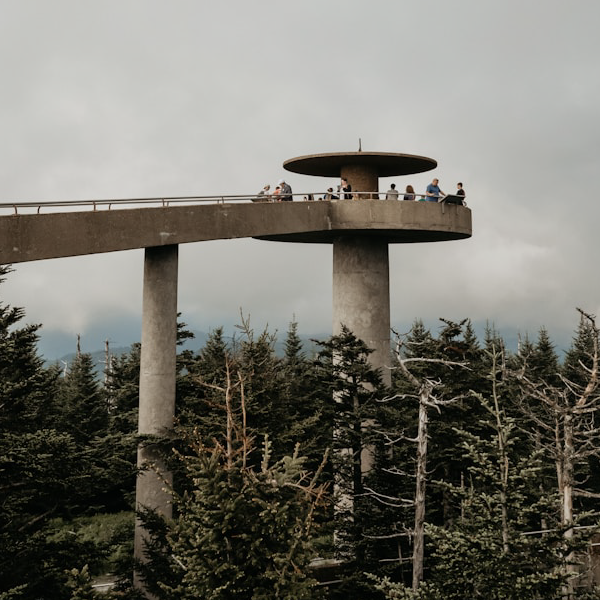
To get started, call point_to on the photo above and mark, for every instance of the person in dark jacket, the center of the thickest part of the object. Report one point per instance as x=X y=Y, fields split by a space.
x=286 y=191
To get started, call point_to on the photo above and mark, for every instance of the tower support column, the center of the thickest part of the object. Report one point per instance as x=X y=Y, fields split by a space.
x=157 y=380
x=361 y=295
x=363 y=179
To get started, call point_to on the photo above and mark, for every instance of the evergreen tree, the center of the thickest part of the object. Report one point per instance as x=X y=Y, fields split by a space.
x=42 y=473
x=301 y=410
x=489 y=551
x=545 y=363
x=353 y=388
x=563 y=413
x=258 y=368
x=540 y=363
x=456 y=345
x=42 y=468
x=123 y=392
x=84 y=407
x=242 y=529
x=198 y=387
x=579 y=359
x=247 y=367
x=26 y=388
x=432 y=381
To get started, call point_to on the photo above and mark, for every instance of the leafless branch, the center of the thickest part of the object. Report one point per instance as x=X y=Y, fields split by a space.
x=387 y=500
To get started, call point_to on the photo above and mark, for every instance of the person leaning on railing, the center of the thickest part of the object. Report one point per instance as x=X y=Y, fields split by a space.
x=433 y=192
x=330 y=195
x=409 y=194
x=286 y=191
x=263 y=195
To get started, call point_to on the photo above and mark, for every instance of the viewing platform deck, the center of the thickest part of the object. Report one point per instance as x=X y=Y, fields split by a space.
x=106 y=227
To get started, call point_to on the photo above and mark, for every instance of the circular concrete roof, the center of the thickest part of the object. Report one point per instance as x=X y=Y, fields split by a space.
x=387 y=164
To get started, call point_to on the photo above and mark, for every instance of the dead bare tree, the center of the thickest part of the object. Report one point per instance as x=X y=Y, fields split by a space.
x=427 y=394
x=234 y=430
x=564 y=418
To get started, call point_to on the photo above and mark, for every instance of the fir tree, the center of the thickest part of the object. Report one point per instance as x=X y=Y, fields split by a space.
x=242 y=529
x=40 y=466
x=353 y=388
x=85 y=410
x=123 y=392
x=489 y=551
x=301 y=409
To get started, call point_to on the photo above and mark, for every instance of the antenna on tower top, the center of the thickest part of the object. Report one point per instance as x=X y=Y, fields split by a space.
x=359 y=145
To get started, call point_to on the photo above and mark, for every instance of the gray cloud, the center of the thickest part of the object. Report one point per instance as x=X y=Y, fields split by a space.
x=145 y=98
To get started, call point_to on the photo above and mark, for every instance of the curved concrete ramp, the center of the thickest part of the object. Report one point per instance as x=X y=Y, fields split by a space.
x=43 y=236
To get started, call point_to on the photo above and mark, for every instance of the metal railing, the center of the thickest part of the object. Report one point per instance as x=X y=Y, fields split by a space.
x=119 y=203
x=35 y=207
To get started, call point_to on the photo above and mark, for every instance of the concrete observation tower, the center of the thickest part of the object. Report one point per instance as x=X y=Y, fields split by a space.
x=364 y=229
x=360 y=231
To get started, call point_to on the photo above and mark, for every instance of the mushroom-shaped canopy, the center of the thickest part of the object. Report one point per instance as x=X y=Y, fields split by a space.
x=386 y=164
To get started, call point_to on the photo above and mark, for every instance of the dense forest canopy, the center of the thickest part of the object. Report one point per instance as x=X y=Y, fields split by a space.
x=300 y=475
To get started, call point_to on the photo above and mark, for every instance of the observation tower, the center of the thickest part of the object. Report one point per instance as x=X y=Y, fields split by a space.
x=364 y=228
x=360 y=231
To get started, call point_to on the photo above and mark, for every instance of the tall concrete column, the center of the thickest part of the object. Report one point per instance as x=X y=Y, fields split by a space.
x=361 y=294
x=362 y=179
x=157 y=379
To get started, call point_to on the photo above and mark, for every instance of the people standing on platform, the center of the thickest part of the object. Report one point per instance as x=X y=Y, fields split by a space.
x=392 y=193
x=330 y=195
x=277 y=194
x=264 y=194
x=409 y=194
x=347 y=189
x=433 y=193
x=461 y=192
x=286 y=191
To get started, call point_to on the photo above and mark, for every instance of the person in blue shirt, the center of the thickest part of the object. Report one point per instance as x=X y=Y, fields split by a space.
x=433 y=193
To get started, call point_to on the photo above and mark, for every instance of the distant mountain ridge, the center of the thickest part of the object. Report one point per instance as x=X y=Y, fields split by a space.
x=195 y=344
x=511 y=340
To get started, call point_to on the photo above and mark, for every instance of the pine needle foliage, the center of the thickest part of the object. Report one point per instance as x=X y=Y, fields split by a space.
x=242 y=528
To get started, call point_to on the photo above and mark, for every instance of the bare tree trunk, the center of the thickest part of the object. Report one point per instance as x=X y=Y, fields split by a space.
x=503 y=458
x=425 y=389
x=421 y=473
x=572 y=406
x=357 y=483
x=229 y=411
x=568 y=469
x=560 y=477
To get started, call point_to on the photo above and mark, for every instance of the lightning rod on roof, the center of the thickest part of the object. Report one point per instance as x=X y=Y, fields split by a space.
x=359 y=145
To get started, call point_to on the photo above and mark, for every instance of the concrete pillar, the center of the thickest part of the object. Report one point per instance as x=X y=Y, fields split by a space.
x=362 y=179
x=361 y=302
x=361 y=295
x=157 y=378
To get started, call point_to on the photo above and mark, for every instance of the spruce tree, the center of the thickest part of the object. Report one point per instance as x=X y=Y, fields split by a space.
x=123 y=392
x=302 y=407
x=242 y=525
x=490 y=550
x=42 y=468
x=353 y=388
x=199 y=386
x=84 y=405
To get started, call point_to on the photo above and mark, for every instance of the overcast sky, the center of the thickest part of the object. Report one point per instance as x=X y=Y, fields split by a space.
x=146 y=98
